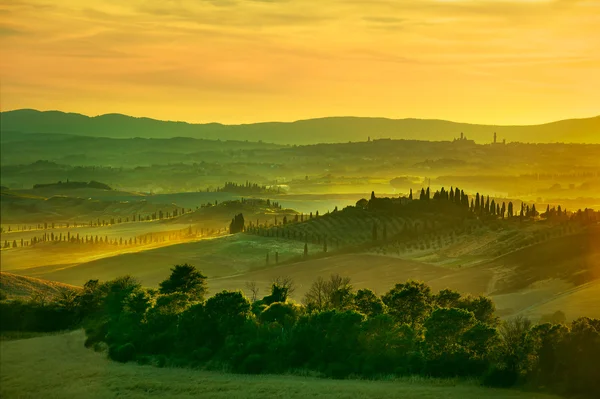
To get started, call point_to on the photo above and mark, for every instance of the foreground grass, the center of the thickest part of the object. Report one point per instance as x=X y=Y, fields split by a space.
x=59 y=366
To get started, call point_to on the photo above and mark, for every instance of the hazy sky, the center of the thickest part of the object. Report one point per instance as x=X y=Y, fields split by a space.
x=237 y=61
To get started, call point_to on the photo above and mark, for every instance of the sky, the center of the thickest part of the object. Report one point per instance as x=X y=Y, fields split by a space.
x=242 y=61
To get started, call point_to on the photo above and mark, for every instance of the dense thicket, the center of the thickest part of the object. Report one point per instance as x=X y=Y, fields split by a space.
x=338 y=331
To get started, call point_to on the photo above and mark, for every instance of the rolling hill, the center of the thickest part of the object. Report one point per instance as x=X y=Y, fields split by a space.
x=14 y=286
x=311 y=131
x=559 y=274
x=41 y=205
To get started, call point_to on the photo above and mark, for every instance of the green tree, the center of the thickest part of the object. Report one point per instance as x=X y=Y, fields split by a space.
x=366 y=302
x=186 y=279
x=409 y=302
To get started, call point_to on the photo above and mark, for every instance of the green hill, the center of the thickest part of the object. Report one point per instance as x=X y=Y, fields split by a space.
x=71 y=185
x=43 y=205
x=336 y=129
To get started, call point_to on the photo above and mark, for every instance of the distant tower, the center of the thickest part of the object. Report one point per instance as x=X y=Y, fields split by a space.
x=504 y=141
x=495 y=138
x=462 y=136
x=369 y=139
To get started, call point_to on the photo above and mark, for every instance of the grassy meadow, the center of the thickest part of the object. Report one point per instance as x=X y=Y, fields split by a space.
x=59 y=366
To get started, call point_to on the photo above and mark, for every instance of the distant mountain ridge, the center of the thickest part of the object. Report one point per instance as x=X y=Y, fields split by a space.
x=310 y=131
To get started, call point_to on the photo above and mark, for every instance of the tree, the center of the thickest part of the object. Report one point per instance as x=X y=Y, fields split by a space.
x=237 y=224
x=186 y=279
x=447 y=298
x=409 y=302
x=253 y=288
x=482 y=308
x=362 y=203
x=374 y=233
x=335 y=293
x=285 y=314
x=444 y=328
x=366 y=302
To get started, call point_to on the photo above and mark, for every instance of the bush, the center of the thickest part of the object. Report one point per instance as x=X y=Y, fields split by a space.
x=500 y=377
x=253 y=364
x=122 y=353
x=337 y=370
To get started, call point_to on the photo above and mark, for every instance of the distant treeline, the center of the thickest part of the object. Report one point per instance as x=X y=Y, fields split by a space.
x=338 y=331
x=98 y=240
x=74 y=184
x=135 y=217
x=247 y=188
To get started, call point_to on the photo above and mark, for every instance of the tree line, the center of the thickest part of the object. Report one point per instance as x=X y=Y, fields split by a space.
x=135 y=217
x=96 y=240
x=247 y=188
x=337 y=331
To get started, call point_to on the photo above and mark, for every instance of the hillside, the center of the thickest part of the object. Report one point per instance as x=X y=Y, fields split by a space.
x=43 y=205
x=218 y=216
x=72 y=185
x=336 y=129
x=217 y=258
x=14 y=286
x=535 y=280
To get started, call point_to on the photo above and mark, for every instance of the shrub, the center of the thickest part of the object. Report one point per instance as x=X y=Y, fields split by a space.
x=253 y=364
x=500 y=377
x=122 y=353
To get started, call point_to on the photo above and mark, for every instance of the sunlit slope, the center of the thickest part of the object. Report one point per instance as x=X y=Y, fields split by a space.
x=60 y=366
x=15 y=286
x=584 y=299
x=334 y=129
x=33 y=206
x=219 y=257
x=546 y=274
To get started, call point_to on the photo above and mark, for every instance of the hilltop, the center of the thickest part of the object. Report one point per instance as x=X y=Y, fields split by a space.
x=310 y=131
x=72 y=185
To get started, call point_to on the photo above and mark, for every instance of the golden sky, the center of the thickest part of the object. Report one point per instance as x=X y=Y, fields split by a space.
x=239 y=61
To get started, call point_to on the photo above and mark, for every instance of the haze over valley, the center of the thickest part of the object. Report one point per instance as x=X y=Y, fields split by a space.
x=341 y=199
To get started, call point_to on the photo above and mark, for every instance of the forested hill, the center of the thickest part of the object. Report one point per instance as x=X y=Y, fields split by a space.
x=311 y=131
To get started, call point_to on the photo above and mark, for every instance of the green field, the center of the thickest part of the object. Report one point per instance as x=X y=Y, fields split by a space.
x=58 y=366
